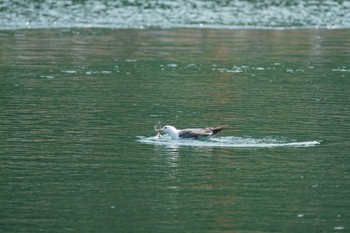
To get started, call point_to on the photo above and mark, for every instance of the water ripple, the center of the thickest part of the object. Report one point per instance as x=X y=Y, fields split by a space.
x=228 y=141
x=170 y=14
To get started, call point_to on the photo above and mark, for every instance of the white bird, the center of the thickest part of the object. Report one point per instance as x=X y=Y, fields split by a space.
x=191 y=133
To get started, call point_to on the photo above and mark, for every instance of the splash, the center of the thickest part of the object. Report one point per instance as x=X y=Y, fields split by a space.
x=157 y=128
x=230 y=141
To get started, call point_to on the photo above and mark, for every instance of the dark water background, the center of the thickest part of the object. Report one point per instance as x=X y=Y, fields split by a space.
x=78 y=103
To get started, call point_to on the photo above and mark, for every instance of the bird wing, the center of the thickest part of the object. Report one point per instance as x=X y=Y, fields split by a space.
x=195 y=133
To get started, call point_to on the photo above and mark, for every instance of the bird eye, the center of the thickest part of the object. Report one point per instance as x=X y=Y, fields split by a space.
x=165 y=127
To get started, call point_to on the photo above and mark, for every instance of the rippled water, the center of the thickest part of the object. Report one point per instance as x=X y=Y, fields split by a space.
x=170 y=14
x=232 y=142
x=78 y=151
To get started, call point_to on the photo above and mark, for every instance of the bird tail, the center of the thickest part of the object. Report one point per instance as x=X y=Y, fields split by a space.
x=216 y=130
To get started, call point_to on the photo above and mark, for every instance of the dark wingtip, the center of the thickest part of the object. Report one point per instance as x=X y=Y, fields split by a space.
x=218 y=129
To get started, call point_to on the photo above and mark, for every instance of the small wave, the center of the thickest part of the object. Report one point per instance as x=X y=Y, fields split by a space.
x=174 y=14
x=230 y=141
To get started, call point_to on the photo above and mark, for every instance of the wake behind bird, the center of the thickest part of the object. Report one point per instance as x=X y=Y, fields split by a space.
x=189 y=137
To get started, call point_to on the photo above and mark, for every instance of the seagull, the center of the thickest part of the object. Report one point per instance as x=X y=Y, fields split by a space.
x=191 y=133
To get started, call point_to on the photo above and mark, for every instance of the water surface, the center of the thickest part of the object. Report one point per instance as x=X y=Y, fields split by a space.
x=75 y=103
x=175 y=14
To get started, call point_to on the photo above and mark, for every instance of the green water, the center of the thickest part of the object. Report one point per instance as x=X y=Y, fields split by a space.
x=75 y=102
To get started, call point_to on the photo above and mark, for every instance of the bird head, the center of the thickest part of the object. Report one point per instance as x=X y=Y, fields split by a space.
x=168 y=129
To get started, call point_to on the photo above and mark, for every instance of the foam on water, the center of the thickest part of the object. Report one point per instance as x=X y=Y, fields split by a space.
x=229 y=141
